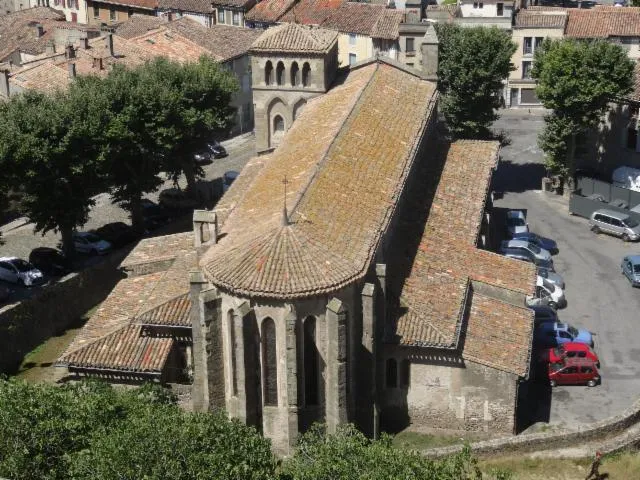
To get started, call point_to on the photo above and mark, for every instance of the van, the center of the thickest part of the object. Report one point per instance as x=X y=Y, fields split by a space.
x=615 y=223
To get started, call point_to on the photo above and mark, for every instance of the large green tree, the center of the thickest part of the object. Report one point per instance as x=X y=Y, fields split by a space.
x=576 y=80
x=47 y=149
x=473 y=63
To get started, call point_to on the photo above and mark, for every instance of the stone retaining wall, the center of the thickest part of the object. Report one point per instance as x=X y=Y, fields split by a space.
x=603 y=430
x=25 y=325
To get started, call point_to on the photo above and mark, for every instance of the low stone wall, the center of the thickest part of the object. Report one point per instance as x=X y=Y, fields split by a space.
x=25 y=325
x=603 y=430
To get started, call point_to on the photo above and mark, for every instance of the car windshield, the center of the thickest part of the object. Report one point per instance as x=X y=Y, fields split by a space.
x=543 y=272
x=630 y=222
x=517 y=222
x=534 y=248
x=573 y=331
x=548 y=285
x=90 y=237
x=636 y=268
x=21 y=265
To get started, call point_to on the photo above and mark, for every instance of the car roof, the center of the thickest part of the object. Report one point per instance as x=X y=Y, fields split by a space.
x=45 y=250
x=612 y=213
x=575 y=346
x=8 y=259
x=578 y=362
x=517 y=243
x=633 y=258
x=515 y=213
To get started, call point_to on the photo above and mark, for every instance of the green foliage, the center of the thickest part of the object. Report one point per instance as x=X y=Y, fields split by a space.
x=577 y=80
x=47 y=148
x=90 y=430
x=473 y=62
x=350 y=455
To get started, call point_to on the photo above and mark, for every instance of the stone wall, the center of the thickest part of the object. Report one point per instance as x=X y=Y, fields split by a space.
x=25 y=325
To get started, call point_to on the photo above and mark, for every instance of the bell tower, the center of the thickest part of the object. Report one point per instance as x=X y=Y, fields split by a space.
x=290 y=64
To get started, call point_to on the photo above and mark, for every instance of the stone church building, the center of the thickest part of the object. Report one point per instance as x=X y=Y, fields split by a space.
x=343 y=276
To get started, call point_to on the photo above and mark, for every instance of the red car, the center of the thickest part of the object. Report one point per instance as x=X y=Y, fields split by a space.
x=574 y=371
x=572 y=350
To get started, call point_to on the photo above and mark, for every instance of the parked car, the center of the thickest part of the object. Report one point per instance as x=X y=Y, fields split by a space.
x=541 y=301
x=155 y=215
x=572 y=350
x=544 y=313
x=522 y=245
x=526 y=256
x=551 y=276
x=228 y=178
x=615 y=223
x=16 y=270
x=574 y=371
x=50 y=261
x=118 y=234
x=516 y=222
x=544 y=288
x=176 y=199
x=552 y=334
x=545 y=243
x=203 y=158
x=217 y=150
x=630 y=266
x=5 y=293
x=87 y=242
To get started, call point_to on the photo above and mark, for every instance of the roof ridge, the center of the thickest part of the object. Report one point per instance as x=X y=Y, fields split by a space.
x=61 y=360
x=149 y=310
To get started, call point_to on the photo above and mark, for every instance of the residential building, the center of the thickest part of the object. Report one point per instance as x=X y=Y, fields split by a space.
x=531 y=27
x=366 y=30
x=218 y=12
x=10 y=6
x=498 y=13
x=112 y=12
x=268 y=12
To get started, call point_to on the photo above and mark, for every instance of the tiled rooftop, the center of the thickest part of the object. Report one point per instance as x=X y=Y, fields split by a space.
x=603 y=22
x=293 y=37
x=362 y=19
x=388 y=25
x=269 y=11
x=138 y=24
x=146 y=4
x=554 y=18
x=17 y=30
x=156 y=249
x=435 y=261
x=169 y=44
x=343 y=185
x=244 y=4
x=175 y=312
x=194 y=6
x=311 y=12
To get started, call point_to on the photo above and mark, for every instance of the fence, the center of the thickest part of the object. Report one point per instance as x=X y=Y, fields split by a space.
x=612 y=198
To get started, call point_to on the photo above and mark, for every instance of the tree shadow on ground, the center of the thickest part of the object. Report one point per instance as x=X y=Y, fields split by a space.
x=518 y=177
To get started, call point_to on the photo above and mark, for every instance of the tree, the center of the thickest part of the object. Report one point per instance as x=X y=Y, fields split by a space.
x=350 y=455
x=473 y=62
x=47 y=148
x=577 y=80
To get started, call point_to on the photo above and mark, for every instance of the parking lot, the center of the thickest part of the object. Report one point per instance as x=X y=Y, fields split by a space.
x=599 y=297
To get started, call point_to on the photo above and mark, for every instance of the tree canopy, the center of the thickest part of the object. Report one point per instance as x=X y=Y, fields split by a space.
x=577 y=80
x=472 y=64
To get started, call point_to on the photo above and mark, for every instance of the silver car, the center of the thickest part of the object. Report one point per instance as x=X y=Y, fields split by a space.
x=615 y=223
x=524 y=246
x=16 y=270
x=630 y=266
x=551 y=276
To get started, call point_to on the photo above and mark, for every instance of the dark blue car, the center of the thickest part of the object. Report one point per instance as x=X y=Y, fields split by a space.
x=542 y=242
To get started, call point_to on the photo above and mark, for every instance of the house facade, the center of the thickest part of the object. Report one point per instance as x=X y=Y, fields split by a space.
x=113 y=12
x=229 y=12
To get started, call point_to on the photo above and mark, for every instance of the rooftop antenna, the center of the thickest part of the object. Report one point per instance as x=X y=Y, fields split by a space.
x=285 y=215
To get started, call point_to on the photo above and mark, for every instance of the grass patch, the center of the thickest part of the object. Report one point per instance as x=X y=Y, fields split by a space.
x=621 y=466
x=422 y=441
x=449 y=2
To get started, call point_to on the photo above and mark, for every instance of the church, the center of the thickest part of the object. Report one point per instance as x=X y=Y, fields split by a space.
x=344 y=276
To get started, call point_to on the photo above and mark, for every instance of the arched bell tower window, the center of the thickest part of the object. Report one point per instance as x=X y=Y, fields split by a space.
x=306 y=74
x=311 y=362
x=280 y=73
x=233 y=348
x=268 y=73
x=269 y=362
x=295 y=74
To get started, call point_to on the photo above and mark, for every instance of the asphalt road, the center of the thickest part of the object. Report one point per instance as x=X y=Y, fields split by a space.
x=19 y=237
x=599 y=297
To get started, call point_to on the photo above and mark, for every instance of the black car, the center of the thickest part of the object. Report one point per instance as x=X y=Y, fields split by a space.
x=50 y=261
x=217 y=150
x=155 y=215
x=544 y=313
x=203 y=158
x=117 y=234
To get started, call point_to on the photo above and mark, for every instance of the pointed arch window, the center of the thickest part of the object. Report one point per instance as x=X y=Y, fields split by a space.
x=268 y=73
x=295 y=74
x=311 y=362
x=280 y=73
x=306 y=74
x=269 y=362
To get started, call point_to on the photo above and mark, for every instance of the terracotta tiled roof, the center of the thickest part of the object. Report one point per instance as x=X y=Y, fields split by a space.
x=175 y=312
x=244 y=4
x=46 y=77
x=170 y=44
x=137 y=25
x=387 y=25
x=436 y=259
x=147 y=4
x=269 y=11
x=293 y=37
x=603 y=22
x=452 y=10
x=498 y=335
x=158 y=249
x=344 y=182
x=359 y=18
x=123 y=350
x=541 y=19
x=311 y=12
x=17 y=30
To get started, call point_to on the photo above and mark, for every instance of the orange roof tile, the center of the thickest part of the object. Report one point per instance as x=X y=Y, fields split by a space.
x=603 y=22
x=293 y=37
x=553 y=18
x=311 y=12
x=359 y=18
x=269 y=11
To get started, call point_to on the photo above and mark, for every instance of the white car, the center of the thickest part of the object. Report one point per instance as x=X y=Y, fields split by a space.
x=544 y=288
x=86 y=242
x=516 y=222
x=16 y=270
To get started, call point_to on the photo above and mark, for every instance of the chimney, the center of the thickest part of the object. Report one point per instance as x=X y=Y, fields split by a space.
x=429 y=51
x=69 y=52
x=108 y=42
x=50 y=48
x=72 y=70
x=84 y=43
x=39 y=30
x=4 y=83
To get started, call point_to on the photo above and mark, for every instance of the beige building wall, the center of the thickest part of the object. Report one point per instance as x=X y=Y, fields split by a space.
x=355 y=47
x=99 y=12
x=228 y=16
